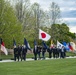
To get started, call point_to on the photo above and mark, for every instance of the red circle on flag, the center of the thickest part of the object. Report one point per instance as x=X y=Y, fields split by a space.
x=43 y=35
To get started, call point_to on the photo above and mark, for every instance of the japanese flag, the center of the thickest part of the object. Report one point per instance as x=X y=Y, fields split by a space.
x=43 y=35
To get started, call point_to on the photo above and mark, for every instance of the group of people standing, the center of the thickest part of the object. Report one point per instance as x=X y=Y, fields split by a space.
x=57 y=52
x=38 y=50
x=52 y=51
x=20 y=52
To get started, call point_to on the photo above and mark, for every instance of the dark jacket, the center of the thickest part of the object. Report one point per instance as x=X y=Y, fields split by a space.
x=24 y=50
x=35 y=50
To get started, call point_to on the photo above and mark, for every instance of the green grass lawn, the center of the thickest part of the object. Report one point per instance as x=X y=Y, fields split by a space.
x=40 y=67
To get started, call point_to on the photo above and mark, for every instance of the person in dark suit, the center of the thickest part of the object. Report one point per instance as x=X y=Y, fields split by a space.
x=54 y=49
x=35 y=51
x=15 y=53
x=43 y=52
x=24 y=51
x=59 y=52
x=49 y=50
x=63 y=52
x=19 y=52
x=39 y=51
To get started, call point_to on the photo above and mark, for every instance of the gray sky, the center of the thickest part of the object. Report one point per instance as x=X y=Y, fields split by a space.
x=67 y=7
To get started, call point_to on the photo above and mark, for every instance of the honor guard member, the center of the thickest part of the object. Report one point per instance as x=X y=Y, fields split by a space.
x=49 y=50
x=63 y=52
x=19 y=52
x=15 y=53
x=39 y=51
x=24 y=51
x=35 y=51
x=54 y=49
x=43 y=52
x=59 y=51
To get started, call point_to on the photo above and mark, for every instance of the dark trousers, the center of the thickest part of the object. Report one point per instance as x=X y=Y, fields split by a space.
x=19 y=57
x=39 y=53
x=35 y=56
x=43 y=55
x=62 y=54
x=15 y=57
x=23 y=56
x=50 y=54
x=53 y=54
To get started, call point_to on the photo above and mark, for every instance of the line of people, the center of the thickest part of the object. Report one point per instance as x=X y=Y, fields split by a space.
x=21 y=51
x=57 y=52
x=52 y=51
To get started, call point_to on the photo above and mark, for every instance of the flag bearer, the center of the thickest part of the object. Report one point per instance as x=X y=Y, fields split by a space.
x=35 y=51
x=24 y=51
x=15 y=53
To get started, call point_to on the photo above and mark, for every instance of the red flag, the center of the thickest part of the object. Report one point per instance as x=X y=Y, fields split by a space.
x=3 y=48
x=43 y=35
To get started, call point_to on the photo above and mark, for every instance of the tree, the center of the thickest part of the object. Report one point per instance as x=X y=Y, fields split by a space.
x=59 y=32
x=54 y=13
x=36 y=11
x=21 y=10
x=9 y=25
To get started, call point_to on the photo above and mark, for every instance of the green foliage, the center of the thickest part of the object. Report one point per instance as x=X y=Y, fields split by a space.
x=59 y=32
x=9 y=25
x=72 y=35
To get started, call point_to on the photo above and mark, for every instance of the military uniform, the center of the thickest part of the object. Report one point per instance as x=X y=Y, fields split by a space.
x=39 y=51
x=43 y=52
x=35 y=51
x=49 y=50
x=24 y=51
x=19 y=52
x=15 y=54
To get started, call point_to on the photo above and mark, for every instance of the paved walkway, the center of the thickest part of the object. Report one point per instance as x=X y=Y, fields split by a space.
x=30 y=59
